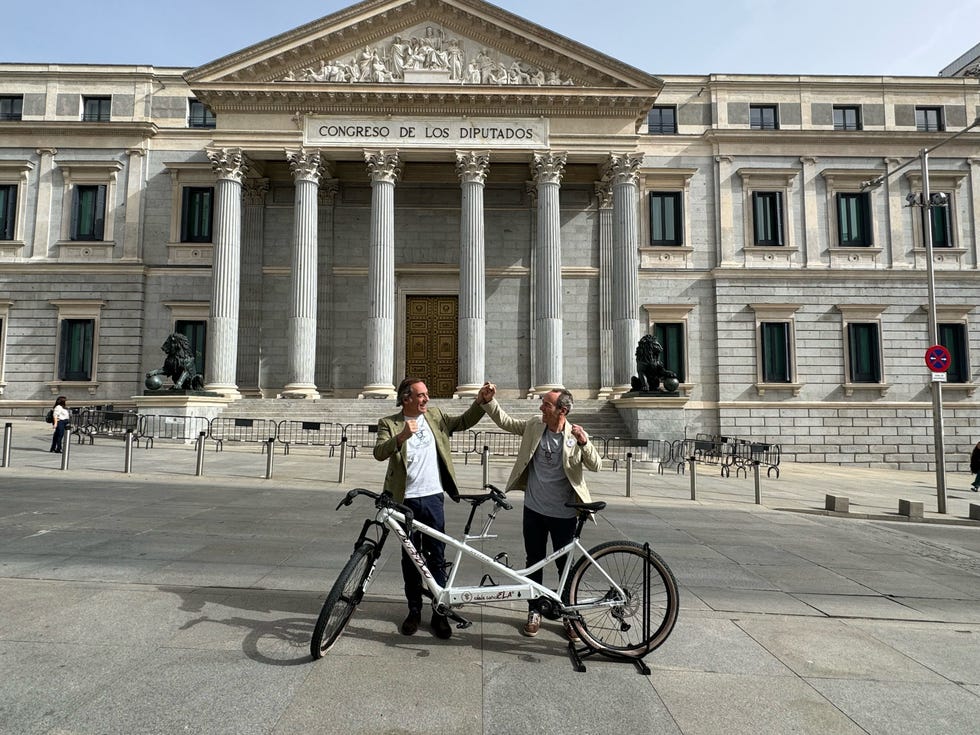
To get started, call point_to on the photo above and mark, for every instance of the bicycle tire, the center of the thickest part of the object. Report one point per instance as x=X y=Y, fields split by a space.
x=342 y=600
x=621 y=631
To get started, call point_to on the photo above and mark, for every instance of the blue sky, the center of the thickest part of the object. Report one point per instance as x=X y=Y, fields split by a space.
x=899 y=37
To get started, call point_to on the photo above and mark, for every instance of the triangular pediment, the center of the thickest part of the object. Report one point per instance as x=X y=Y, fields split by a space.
x=399 y=47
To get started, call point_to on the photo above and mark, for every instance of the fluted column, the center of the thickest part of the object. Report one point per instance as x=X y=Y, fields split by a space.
x=472 y=169
x=135 y=185
x=384 y=169
x=250 y=309
x=621 y=171
x=230 y=167
x=547 y=170
x=307 y=170
x=604 y=204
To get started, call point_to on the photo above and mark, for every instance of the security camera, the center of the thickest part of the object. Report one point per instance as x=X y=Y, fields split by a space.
x=939 y=199
x=914 y=199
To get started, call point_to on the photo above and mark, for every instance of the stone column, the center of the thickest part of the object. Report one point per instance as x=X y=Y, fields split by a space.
x=899 y=249
x=250 y=309
x=604 y=204
x=134 y=205
x=472 y=169
x=546 y=171
x=307 y=170
x=975 y=206
x=726 y=210
x=810 y=228
x=384 y=169
x=230 y=166
x=621 y=171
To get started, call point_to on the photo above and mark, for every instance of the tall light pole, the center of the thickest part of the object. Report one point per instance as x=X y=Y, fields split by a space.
x=927 y=202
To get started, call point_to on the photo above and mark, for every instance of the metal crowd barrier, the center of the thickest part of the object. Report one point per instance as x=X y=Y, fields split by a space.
x=91 y=423
x=359 y=436
x=618 y=450
x=248 y=431
x=309 y=434
x=465 y=443
x=170 y=428
x=499 y=443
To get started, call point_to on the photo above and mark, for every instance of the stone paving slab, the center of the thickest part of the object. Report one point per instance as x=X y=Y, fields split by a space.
x=162 y=602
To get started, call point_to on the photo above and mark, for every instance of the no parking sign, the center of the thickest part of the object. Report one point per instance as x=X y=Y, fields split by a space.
x=937 y=359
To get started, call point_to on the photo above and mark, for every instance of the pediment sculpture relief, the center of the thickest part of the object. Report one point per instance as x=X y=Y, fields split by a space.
x=428 y=55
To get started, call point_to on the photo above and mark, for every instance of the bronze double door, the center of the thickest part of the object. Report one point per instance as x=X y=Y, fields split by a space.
x=431 y=342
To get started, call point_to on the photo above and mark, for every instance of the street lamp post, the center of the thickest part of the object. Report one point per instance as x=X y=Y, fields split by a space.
x=925 y=200
x=938 y=429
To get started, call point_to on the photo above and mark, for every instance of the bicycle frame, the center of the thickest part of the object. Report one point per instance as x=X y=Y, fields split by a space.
x=526 y=589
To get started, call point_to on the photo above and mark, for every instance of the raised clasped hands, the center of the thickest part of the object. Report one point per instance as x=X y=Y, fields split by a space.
x=487 y=392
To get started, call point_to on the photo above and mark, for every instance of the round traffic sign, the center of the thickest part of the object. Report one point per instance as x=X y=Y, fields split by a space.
x=937 y=359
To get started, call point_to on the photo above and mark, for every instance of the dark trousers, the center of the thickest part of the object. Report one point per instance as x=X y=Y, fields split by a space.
x=537 y=529
x=430 y=511
x=59 y=435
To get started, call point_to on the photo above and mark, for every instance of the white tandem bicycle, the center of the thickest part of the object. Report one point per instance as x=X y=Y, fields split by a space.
x=620 y=597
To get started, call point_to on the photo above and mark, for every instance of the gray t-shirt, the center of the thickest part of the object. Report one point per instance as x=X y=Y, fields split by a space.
x=548 y=489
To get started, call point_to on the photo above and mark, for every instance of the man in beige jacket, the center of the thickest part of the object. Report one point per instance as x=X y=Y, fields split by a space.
x=548 y=469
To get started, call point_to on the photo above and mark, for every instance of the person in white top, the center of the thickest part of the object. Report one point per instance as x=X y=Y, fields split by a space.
x=60 y=423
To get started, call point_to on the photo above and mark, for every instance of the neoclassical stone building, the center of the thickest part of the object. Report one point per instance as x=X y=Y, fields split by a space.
x=441 y=188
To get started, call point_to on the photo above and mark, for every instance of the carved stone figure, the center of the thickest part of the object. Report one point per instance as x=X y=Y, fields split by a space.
x=651 y=375
x=179 y=365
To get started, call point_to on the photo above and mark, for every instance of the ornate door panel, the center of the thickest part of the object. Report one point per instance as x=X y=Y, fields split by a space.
x=431 y=332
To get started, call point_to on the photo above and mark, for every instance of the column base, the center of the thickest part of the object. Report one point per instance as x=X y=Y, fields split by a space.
x=540 y=390
x=467 y=391
x=228 y=391
x=300 y=390
x=377 y=390
x=618 y=391
x=605 y=393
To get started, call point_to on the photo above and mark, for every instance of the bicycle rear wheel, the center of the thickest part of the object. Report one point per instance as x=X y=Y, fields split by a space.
x=342 y=600
x=640 y=622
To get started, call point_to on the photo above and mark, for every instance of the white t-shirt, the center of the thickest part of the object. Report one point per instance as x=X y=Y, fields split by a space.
x=422 y=462
x=60 y=414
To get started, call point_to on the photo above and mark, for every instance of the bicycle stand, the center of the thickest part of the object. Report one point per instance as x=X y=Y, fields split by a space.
x=577 y=654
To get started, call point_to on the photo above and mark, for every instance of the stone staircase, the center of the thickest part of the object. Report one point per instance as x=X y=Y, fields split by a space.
x=599 y=418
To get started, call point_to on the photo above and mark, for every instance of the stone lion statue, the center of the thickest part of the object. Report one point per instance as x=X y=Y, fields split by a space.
x=651 y=375
x=179 y=365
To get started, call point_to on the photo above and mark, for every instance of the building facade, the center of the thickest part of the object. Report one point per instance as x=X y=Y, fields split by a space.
x=441 y=188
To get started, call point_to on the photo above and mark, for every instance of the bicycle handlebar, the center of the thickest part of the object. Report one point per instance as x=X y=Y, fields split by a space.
x=381 y=500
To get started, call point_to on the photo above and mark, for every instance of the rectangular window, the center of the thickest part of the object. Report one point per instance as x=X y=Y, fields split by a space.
x=767 y=217
x=199 y=116
x=196 y=331
x=88 y=212
x=96 y=109
x=941 y=233
x=854 y=220
x=776 y=355
x=670 y=335
x=75 y=354
x=11 y=107
x=662 y=121
x=929 y=119
x=666 y=223
x=8 y=210
x=847 y=117
x=197 y=214
x=953 y=337
x=763 y=117
x=864 y=352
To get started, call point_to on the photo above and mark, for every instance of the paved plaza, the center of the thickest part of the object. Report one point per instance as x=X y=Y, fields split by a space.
x=159 y=601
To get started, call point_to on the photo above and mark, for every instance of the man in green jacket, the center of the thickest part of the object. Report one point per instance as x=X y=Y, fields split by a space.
x=415 y=442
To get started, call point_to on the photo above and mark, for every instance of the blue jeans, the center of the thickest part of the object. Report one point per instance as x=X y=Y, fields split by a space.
x=976 y=480
x=59 y=435
x=429 y=510
x=537 y=528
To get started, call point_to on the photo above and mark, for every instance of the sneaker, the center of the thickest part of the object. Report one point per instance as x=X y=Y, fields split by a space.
x=975 y=489
x=570 y=631
x=533 y=624
x=440 y=626
x=411 y=624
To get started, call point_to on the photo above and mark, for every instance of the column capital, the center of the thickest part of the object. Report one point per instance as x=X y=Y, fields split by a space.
x=307 y=165
x=46 y=151
x=603 y=194
x=228 y=163
x=255 y=190
x=622 y=168
x=809 y=160
x=383 y=166
x=548 y=167
x=472 y=166
x=329 y=188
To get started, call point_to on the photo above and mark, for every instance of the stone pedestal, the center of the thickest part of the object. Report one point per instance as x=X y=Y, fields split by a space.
x=654 y=415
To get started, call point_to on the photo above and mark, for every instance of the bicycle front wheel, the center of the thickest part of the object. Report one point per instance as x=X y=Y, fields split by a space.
x=342 y=600
x=631 y=626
